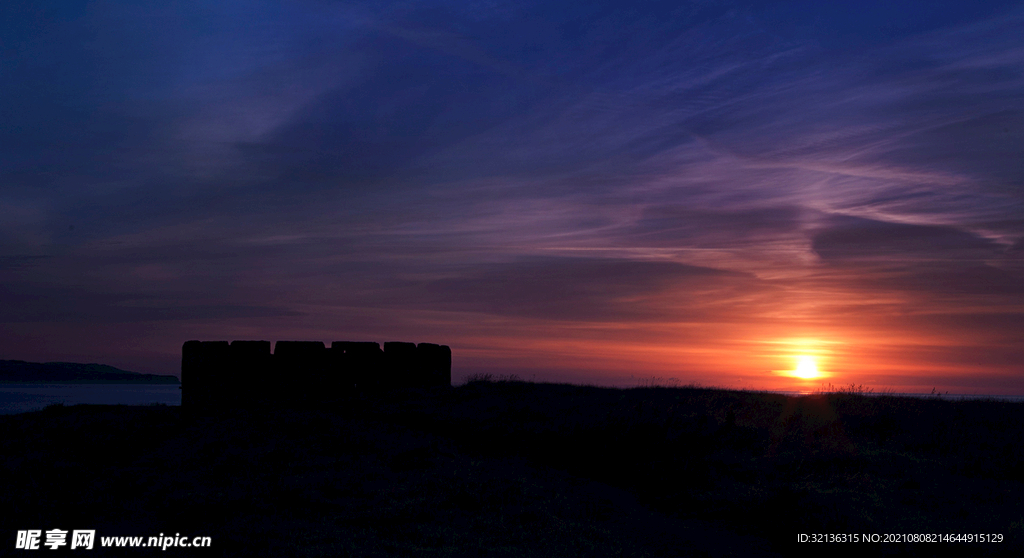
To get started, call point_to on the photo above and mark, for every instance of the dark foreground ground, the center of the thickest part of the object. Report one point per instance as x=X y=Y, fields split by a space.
x=520 y=469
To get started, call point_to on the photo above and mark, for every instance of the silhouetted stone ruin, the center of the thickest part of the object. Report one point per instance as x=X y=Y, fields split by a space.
x=216 y=374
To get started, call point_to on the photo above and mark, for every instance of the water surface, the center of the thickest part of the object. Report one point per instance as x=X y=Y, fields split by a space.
x=21 y=398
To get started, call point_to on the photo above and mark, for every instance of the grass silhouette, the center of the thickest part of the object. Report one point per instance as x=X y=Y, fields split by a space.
x=502 y=467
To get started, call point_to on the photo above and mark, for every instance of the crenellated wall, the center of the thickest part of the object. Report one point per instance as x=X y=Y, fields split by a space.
x=220 y=374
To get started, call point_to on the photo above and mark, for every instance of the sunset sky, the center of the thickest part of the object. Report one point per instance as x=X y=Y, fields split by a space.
x=590 y=192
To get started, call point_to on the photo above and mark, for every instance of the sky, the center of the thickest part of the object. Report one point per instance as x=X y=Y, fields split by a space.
x=601 y=192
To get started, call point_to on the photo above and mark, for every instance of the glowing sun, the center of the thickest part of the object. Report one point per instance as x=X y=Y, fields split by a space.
x=806 y=368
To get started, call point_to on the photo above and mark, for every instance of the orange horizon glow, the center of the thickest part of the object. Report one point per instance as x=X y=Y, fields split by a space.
x=727 y=356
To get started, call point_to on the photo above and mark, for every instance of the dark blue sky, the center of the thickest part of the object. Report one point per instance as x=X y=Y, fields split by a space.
x=595 y=192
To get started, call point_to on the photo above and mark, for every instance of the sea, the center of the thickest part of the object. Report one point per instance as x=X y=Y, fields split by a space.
x=22 y=398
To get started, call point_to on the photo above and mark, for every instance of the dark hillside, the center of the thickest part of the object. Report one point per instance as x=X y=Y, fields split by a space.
x=520 y=469
x=19 y=371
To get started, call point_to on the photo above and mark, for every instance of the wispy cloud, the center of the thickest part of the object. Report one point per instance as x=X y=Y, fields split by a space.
x=441 y=166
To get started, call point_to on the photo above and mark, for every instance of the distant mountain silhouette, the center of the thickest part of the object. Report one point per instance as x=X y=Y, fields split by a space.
x=19 y=371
